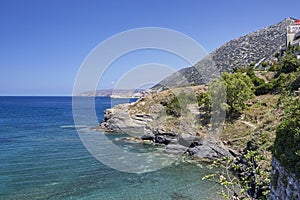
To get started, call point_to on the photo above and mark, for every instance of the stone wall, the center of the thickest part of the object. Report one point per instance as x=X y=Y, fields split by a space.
x=284 y=185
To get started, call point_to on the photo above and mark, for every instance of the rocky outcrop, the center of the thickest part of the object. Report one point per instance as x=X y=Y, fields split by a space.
x=210 y=149
x=284 y=185
x=147 y=119
x=255 y=47
x=118 y=119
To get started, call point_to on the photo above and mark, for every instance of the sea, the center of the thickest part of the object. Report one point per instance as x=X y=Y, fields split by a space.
x=43 y=157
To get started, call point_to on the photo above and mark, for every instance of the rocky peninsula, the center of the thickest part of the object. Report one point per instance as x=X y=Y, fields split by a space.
x=148 y=120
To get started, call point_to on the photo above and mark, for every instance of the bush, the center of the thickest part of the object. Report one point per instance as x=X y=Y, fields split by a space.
x=287 y=142
x=251 y=181
x=240 y=70
x=260 y=86
x=275 y=67
x=265 y=64
x=284 y=82
x=255 y=80
x=178 y=104
x=295 y=84
x=204 y=99
x=290 y=63
x=173 y=107
x=238 y=89
x=264 y=88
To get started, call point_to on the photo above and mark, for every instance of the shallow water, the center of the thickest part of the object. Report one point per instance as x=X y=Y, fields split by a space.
x=42 y=157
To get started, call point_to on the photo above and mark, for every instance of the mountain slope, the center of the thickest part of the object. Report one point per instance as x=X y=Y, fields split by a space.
x=241 y=52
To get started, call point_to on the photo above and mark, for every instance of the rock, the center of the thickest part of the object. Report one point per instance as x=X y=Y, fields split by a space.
x=189 y=140
x=284 y=185
x=146 y=119
x=161 y=139
x=159 y=131
x=118 y=119
x=136 y=140
x=176 y=149
x=148 y=136
x=210 y=149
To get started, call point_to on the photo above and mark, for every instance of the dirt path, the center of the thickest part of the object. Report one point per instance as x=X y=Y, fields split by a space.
x=248 y=124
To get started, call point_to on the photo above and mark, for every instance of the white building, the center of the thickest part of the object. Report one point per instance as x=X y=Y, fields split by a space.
x=293 y=35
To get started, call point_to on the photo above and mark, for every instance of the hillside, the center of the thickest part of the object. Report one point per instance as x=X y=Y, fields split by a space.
x=262 y=124
x=241 y=52
x=158 y=118
x=258 y=139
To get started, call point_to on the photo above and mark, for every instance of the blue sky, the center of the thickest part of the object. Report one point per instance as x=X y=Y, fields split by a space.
x=44 y=42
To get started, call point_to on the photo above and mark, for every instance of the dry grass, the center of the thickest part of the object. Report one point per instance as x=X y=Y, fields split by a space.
x=154 y=105
x=257 y=124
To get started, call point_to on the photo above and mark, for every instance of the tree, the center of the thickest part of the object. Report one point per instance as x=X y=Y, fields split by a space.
x=239 y=88
x=290 y=63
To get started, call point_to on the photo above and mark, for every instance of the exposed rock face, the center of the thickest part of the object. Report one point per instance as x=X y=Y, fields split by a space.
x=255 y=47
x=284 y=185
x=118 y=119
x=210 y=149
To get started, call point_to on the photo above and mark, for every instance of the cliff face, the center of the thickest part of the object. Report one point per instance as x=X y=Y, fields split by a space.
x=284 y=185
x=255 y=47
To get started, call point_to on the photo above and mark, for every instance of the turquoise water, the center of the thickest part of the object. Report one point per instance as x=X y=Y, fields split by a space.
x=42 y=157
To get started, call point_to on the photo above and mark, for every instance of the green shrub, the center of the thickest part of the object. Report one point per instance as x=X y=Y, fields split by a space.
x=293 y=81
x=275 y=67
x=255 y=80
x=265 y=64
x=173 y=107
x=297 y=48
x=178 y=104
x=240 y=70
x=286 y=82
x=264 y=88
x=238 y=90
x=251 y=181
x=283 y=82
x=290 y=63
x=204 y=99
x=287 y=142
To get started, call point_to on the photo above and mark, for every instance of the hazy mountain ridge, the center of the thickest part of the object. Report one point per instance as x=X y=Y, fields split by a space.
x=254 y=47
x=114 y=93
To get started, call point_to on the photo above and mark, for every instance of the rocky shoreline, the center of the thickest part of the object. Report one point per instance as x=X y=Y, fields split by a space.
x=148 y=125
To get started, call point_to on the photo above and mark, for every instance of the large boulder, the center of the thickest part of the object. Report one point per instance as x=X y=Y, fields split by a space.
x=209 y=149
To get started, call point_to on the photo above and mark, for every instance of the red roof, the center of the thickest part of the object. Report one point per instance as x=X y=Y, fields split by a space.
x=297 y=22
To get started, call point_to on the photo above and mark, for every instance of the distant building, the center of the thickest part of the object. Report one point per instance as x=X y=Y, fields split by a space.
x=292 y=39
x=293 y=33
